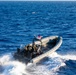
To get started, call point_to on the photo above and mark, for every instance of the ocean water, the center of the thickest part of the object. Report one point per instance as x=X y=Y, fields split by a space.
x=20 y=21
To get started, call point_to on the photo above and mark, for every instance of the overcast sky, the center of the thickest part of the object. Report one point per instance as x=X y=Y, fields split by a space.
x=37 y=0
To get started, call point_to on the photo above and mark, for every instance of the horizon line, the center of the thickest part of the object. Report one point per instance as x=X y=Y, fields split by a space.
x=39 y=0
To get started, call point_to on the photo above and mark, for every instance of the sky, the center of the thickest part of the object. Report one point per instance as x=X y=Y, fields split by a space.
x=37 y=0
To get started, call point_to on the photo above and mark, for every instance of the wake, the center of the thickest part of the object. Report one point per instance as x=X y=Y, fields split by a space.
x=48 y=66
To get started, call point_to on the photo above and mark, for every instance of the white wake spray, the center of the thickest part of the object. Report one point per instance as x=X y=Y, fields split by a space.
x=66 y=57
x=9 y=66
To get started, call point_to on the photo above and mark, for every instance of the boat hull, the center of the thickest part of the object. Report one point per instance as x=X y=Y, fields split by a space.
x=35 y=60
x=47 y=51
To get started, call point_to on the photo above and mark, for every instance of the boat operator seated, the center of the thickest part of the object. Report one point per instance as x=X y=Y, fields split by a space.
x=34 y=50
x=27 y=50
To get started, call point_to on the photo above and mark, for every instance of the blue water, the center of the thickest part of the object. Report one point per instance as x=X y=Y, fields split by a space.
x=20 y=21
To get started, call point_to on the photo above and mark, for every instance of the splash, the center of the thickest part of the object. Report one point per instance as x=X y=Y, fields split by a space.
x=11 y=67
x=50 y=66
x=65 y=57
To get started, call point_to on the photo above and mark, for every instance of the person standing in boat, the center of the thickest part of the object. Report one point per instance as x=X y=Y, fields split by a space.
x=39 y=37
x=36 y=49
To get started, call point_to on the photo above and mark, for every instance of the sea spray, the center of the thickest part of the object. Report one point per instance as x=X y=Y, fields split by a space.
x=50 y=66
x=37 y=70
x=12 y=67
x=65 y=57
x=18 y=69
